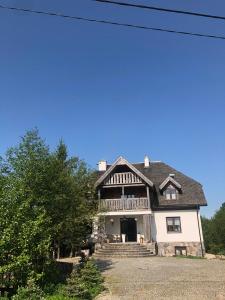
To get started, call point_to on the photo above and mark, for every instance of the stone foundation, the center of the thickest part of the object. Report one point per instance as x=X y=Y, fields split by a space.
x=151 y=247
x=168 y=249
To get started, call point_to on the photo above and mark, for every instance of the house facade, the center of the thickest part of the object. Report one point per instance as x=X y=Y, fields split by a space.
x=149 y=203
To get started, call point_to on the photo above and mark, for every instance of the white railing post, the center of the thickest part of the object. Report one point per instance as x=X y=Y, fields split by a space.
x=122 y=178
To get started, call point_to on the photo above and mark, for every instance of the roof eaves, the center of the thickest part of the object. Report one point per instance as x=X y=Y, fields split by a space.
x=121 y=160
x=167 y=180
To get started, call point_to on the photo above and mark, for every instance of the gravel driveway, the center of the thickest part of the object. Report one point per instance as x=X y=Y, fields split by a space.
x=163 y=278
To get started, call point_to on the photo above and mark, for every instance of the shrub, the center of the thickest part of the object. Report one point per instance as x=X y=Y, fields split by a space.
x=85 y=282
x=55 y=292
x=30 y=292
x=217 y=249
x=57 y=297
x=221 y=252
x=4 y=295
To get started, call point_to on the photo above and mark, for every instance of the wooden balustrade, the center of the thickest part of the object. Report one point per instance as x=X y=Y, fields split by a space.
x=122 y=178
x=124 y=204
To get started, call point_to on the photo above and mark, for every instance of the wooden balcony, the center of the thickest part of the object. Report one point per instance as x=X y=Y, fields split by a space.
x=124 y=204
x=122 y=178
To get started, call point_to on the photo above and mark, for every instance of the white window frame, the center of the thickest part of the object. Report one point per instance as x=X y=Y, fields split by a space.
x=171 y=196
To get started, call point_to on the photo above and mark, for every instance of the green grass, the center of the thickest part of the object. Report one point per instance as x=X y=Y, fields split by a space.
x=189 y=256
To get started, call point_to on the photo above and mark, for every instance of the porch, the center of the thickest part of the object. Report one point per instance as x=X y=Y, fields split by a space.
x=134 y=228
x=124 y=198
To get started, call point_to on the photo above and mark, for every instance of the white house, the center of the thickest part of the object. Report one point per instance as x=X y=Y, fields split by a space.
x=149 y=203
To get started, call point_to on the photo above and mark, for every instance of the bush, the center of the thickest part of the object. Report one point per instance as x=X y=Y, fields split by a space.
x=55 y=292
x=84 y=283
x=3 y=297
x=57 y=297
x=217 y=249
x=30 y=292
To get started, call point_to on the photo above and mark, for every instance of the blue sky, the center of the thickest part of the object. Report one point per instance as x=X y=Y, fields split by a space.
x=110 y=91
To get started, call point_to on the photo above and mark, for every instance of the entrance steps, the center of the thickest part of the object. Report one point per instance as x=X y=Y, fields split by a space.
x=123 y=250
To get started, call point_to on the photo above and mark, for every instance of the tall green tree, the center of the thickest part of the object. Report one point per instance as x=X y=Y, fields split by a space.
x=24 y=223
x=214 y=232
x=207 y=232
x=71 y=207
x=218 y=224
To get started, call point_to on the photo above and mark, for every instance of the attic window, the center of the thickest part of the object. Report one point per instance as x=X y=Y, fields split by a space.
x=171 y=193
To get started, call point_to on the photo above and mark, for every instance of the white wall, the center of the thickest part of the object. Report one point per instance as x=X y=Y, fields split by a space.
x=189 y=226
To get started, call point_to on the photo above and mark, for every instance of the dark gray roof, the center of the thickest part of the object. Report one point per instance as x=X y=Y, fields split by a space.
x=191 y=191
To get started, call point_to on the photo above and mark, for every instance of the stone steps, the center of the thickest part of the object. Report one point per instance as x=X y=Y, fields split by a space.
x=123 y=253
x=97 y=255
x=122 y=250
x=122 y=246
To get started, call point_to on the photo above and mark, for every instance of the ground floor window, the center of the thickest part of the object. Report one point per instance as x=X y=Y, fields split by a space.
x=173 y=224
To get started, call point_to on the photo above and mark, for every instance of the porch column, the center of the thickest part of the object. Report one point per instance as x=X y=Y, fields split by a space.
x=98 y=228
x=95 y=227
x=99 y=200
x=123 y=200
x=148 y=196
x=147 y=227
x=122 y=190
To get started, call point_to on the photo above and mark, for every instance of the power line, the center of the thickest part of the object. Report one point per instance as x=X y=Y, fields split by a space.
x=196 y=14
x=111 y=22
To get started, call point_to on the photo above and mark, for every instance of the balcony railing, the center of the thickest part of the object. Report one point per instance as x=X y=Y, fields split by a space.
x=122 y=178
x=124 y=204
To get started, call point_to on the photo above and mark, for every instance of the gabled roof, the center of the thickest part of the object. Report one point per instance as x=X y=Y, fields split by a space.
x=171 y=180
x=122 y=161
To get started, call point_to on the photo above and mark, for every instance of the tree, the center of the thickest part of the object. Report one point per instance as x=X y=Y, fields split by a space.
x=214 y=232
x=207 y=232
x=46 y=203
x=24 y=225
x=71 y=207
x=85 y=282
x=218 y=224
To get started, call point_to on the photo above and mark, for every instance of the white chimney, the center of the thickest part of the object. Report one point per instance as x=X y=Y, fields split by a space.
x=102 y=165
x=146 y=161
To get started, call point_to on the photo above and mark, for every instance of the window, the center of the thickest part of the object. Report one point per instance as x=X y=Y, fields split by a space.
x=180 y=250
x=173 y=224
x=170 y=193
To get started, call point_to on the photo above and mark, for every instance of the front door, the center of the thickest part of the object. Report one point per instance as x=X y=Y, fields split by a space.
x=128 y=226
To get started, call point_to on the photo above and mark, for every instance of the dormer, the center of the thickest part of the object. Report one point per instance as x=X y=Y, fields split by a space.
x=170 y=188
